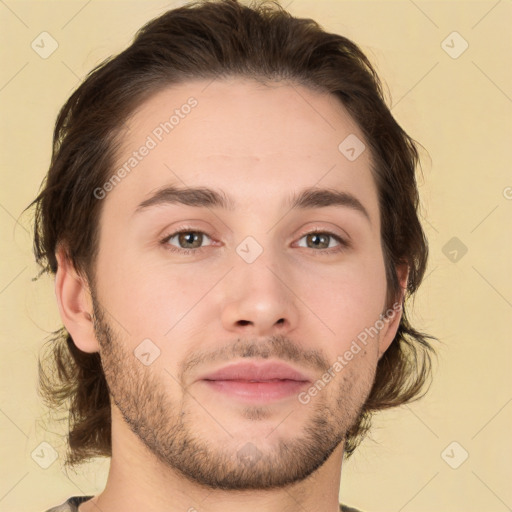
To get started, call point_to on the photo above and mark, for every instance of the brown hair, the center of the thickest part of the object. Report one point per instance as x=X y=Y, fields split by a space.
x=205 y=40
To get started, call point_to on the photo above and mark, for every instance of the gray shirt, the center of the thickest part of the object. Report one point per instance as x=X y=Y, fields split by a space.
x=71 y=505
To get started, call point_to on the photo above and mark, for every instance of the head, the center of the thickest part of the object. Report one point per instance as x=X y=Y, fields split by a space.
x=294 y=236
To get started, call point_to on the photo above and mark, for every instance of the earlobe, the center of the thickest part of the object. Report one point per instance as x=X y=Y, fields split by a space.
x=75 y=304
x=393 y=315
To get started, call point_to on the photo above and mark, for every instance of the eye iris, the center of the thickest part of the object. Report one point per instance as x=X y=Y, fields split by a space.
x=318 y=240
x=189 y=239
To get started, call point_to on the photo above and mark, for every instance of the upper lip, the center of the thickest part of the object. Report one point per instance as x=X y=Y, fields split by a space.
x=252 y=371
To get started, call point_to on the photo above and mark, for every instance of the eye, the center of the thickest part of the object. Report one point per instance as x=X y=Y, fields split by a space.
x=186 y=240
x=323 y=240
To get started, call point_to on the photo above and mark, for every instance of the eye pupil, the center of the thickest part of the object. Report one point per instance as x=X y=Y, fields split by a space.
x=319 y=240
x=188 y=238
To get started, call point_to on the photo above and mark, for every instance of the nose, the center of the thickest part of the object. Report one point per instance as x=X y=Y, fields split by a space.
x=259 y=300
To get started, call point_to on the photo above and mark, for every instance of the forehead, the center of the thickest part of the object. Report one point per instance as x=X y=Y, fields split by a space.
x=248 y=139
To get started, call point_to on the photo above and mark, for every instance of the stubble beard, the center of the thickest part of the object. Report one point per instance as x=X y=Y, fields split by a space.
x=170 y=428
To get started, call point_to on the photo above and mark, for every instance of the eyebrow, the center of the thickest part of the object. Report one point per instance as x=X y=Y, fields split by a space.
x=311 y=197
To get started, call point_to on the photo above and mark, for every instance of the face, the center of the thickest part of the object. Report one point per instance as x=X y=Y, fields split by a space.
x=271 y=255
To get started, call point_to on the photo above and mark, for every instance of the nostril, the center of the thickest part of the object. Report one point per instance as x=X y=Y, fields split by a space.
x=243 y=322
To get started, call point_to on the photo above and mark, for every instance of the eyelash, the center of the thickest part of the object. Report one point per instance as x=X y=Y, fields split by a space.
x=343 y=244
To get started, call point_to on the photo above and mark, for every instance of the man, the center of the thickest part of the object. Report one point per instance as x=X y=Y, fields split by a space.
x=230 y=215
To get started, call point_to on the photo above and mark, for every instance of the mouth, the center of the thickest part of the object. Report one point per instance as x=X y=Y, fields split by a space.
x=262 y=391
x=255 y=382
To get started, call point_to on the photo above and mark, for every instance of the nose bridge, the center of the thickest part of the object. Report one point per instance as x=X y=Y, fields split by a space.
x=257 y=297
x=257 y=271
x=261 y=276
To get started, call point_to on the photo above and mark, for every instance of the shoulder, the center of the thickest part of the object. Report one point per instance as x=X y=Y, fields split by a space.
x=344 y=508
x=70 y=505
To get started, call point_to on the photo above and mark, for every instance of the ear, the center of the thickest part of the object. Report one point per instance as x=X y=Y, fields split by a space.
x=75 y=304
x=393 y=314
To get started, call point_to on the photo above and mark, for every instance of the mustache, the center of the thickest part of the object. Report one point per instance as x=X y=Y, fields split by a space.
x=275 y=347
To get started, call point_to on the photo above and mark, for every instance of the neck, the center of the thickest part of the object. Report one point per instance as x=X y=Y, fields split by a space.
x=137 y=481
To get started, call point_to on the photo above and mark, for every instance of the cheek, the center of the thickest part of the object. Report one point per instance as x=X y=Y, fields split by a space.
x=129 y=291
x=149 y=298
x=347 y=291
x=347 y=299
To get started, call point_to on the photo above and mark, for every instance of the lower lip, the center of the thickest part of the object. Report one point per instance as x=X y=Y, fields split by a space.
x=257 y=391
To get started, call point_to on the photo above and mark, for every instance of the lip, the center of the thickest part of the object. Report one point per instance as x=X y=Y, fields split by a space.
x=256 y=382
x=258 y=372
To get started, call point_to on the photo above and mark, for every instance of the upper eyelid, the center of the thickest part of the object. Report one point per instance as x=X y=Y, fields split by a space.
x=175 y=233
x=323 y=231
x=342 y=241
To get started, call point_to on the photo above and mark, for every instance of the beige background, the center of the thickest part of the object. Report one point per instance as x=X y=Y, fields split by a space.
x=459 y=109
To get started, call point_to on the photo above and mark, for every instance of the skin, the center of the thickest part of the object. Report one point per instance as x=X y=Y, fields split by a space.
x=176 y=443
